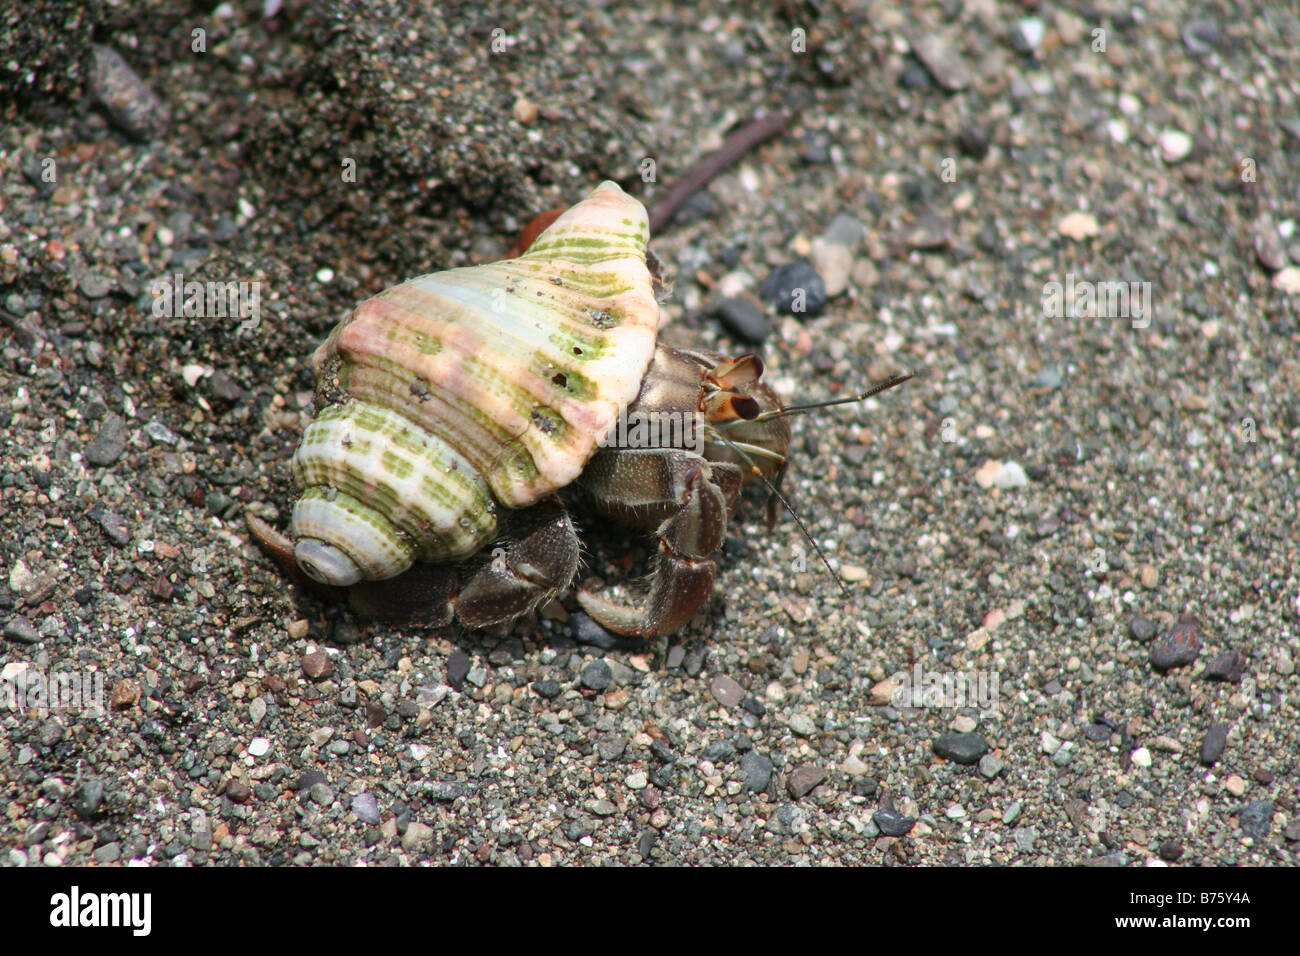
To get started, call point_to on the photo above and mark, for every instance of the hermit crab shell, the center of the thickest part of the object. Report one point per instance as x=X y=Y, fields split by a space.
x=459 y=392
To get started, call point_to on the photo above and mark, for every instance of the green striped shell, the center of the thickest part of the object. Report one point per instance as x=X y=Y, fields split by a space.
x=460 y=392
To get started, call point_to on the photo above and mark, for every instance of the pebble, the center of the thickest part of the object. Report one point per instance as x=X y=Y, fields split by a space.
x=845 y=230
x=1213 y=744
x=259 y=746
x=1175 y=145
x=113 y=525
x=109 y=443
x=257 y=710
x=1256 y=819
x=1227 y=667
x=1141 y=757
x=726 y=691
x=1288 y=280
x=1269 y=247
x=525 y=111
x=961 y=748
x=1201 y=36
x=95 y=285
x=990 y=766
x=90 y=799
x=20 y=629
x=1142 y=629
x=1012 y=813
x=744 y=319
x=417 y=835
x=757 y=768
x=893 y=824
x=834 y=263
x=160 y=434
x=130 y=103
x=317 y=665
x=1078 y=226
x=1024 y=838
x=596 y=676
x=795 y=288
x=1001 y=474
x=943 y=61
x=547 y=689
x=1027 y=34
x=803 y=779
x=803 y=725
x=1179 y=647
x=1235 y=785
x=457 y=668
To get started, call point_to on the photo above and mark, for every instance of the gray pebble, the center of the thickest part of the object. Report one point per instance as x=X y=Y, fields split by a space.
x=726 y=690
x=744 y=319
x=1179 y=647
x=891 y=823
x=757 y=768
x=803 y=725
x=366 y=807
x=943 y=61
x=845 y=230
x=1024 y=838
x=961 y=748
x=131 y=105
x=95 y=285
x=114 y=525
x=990 y=766
x=1213 y=743
x=19 y=629
x=596 y=676
x=795 y=288
x=107 y=446
x=1256 y=818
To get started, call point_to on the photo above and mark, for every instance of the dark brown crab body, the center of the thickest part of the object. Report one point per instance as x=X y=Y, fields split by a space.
x=453 y=408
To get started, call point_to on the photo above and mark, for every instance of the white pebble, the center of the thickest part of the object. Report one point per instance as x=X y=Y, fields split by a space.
x=1011 y=475
x=1141 y=757
x=325 y=275
x=1175 y=145
x=259 y=747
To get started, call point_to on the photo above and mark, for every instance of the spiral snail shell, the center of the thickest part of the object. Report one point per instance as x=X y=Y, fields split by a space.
x=458 y=393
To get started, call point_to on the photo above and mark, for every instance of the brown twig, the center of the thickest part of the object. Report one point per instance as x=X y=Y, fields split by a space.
x=733 y=147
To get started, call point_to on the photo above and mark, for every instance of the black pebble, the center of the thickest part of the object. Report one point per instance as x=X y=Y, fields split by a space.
x=795 y=288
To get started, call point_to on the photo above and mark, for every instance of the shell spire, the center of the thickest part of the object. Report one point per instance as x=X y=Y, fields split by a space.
x=457 y=390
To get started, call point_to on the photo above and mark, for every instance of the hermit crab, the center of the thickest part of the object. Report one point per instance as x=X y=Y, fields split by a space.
x=453 y=408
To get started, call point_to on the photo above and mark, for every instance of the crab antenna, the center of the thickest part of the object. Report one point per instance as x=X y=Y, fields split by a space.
x=781 y=498
x=874 y=390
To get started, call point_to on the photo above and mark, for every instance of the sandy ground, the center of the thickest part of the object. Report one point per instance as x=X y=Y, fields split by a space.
x=1076 y=223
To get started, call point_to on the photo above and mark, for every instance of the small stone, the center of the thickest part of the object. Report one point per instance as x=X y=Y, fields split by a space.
x=1269 y=247
x=1227 y=667
x=1213 y=743
x=317 y=665
x=417 y=835
x=961 y=748
x=1256 y=819
x=130 y=103
x=115 y=526
x=803 y=725
x=367 y=808
x=1201 y=36
x=95 y=285
x=1011 y=475
x=600 y=808
x=1235 y=785
x=547 y=689
x=1179 y=647
x=1292 y=830
x=20 y=629
x=1170 y=851
x=744 y=319
x=1141 y=629
x=1167 y=744
x=834 y=263
x=942 y=60
x=90 y=799
x=525 y=111
x=757 y=768
x=1079 y=226
x=321 y=794
x=238 y=791
x=1027 y=34
x=637 y=781
x=1288 y=280
x=457 y=668
x=990 y=766
x=257 y=710
x=1141 y=757
x=586 y=631
x=726 y=691
x=597 y=676
x=845 y=230
x=893 y=824
x=804 y=778
x=1149 y=578
x=259 y=746
x=109 y=443
x=795 y=288
x=1175 y=145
